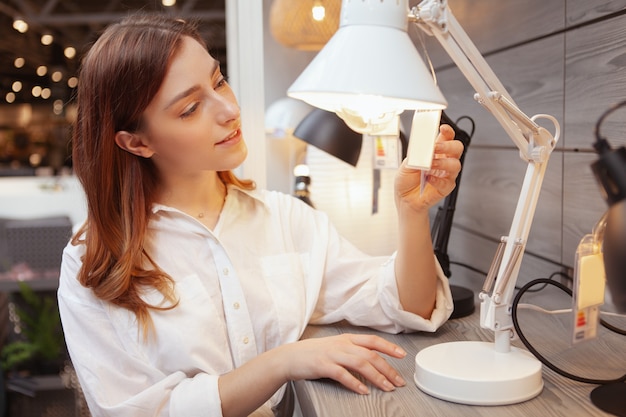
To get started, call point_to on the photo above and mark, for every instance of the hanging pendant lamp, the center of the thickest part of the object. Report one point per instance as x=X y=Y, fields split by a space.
x=304 y=24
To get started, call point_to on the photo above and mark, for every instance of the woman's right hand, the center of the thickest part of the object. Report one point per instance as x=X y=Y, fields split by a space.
x=336 y=357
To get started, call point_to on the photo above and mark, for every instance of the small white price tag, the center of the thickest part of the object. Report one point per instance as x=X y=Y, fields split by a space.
x=387 y=151
x=589 y=284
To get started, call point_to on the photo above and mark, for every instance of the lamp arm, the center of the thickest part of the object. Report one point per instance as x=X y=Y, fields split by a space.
x=534 y=142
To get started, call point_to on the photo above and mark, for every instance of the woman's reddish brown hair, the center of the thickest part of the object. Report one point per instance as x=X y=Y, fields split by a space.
x=119 y=77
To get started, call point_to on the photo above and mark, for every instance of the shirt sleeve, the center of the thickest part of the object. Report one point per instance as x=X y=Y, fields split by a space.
x=116 y=378
x=362 y=289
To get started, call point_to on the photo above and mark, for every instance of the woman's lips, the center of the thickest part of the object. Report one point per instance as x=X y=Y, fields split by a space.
x=233 y=137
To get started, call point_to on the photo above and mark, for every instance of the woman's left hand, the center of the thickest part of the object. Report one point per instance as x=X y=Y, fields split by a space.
x=440 y=180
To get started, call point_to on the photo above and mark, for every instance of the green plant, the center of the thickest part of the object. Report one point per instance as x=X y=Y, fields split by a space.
x=40 y=338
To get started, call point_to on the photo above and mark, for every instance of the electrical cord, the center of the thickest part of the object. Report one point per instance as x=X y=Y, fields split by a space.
x=535 y=307
x=601 y=145
x=542 y=358
x=471 y=133
x=551 y=277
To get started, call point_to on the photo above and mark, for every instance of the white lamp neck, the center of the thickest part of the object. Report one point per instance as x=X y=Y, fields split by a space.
x=391 y=13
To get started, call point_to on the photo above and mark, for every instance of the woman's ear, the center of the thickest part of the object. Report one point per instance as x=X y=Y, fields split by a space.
x=133 y=143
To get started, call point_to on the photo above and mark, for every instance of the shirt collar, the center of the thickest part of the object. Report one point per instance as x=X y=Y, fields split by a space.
x=232 y=189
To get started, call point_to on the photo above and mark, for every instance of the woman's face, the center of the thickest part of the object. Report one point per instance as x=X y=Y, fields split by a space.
x=193 y=123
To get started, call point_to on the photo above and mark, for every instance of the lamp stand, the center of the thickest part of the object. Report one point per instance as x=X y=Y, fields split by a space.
x=475 y=373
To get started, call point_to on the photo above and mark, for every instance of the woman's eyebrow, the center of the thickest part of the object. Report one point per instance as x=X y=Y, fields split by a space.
x=192 y=89
x=182 y=95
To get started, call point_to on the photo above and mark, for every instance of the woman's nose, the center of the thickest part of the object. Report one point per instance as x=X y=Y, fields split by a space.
x=228 y=108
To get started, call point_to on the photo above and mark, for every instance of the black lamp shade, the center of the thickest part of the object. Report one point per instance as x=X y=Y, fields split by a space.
x=614 y=248
x=610 y=172
x=326 y=131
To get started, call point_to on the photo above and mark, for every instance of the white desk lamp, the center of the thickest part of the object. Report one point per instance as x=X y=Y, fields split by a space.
x=370 y=72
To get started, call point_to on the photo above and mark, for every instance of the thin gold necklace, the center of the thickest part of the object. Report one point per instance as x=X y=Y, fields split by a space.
x=201 y=214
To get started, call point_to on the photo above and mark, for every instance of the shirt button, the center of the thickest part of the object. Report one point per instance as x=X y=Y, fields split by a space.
x=225 y=270
x=245 y=340
x=236 y=305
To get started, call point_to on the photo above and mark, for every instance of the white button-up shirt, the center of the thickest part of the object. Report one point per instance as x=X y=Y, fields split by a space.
x=271 y=266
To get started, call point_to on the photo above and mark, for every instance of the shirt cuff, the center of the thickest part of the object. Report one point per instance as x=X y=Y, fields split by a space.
x=197 y=396
x=406 y=321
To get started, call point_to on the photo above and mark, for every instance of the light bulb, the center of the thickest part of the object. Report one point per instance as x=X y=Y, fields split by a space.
x=20 y=25
x=318 y=11
x=301 y=170
x=47 y=39
x=69 y=52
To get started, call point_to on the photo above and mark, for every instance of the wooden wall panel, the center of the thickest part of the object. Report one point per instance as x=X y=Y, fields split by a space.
x=583 y=204
x=489 y=192
x=533 y=76
x=595 y=79
x=580 y=11
x=468 y=249
x=497 y=24
x=493 y=173
x=574 y=75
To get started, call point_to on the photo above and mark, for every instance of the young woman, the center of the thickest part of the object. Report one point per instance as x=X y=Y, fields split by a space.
x=186 y=291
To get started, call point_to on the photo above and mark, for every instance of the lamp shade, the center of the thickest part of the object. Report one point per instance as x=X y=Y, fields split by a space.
x=610 y=172
x=283 y=115
x=326 y=131
x=369 y=72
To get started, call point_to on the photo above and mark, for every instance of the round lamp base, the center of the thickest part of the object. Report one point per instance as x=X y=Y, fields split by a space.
x=610 y=398
x=474 y=373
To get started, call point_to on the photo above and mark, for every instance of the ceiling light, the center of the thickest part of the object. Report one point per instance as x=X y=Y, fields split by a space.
x=10 y=97
x=19 y=62
x=20 y=25
x=168 y=3
x=69 y=52
x=36 y=91
x=72 y=82
x=35 y=159
x=46 y=93
x=42 y=70
x=57 y=107
x=17 y=86
x=47 y=39
x=57 y=76
x=319 y=11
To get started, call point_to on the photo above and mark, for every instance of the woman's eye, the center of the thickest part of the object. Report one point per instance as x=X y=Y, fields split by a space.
x=189 y=111
x=222 y=82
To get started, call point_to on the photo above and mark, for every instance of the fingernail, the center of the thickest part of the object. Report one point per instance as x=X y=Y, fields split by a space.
x=388 y=385
x=400 y=351
x=363 y=389
x=400 y=381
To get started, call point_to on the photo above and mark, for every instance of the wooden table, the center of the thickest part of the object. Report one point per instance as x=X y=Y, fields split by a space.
x=600 y=358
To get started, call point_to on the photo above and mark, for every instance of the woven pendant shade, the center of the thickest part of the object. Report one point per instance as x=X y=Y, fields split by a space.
x=292 y=23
